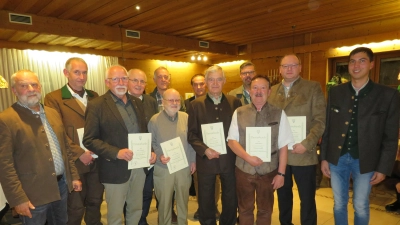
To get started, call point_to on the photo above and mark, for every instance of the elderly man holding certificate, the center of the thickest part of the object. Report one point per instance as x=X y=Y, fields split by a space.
x=259 y=135
x=175 y=158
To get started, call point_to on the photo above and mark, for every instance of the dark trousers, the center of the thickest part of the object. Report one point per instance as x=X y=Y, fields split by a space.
x=88 y=201
x=253 y=189
x=305 y=178
x=147 y=196
x=206 y=199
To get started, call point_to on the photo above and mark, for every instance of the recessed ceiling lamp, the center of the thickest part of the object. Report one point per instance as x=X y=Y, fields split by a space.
x=137 y=7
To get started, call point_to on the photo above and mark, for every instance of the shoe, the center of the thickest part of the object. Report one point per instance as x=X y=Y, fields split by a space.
x=196 y=215
x=393 y=207
x=174 y=218
x=217 y=214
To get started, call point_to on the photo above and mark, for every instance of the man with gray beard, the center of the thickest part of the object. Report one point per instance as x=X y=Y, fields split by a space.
x=109 y=120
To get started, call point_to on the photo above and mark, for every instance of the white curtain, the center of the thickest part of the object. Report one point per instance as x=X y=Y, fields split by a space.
x=49 y=66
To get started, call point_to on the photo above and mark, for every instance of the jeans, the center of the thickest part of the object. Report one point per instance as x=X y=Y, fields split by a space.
x=54 y=212
x=340 y=177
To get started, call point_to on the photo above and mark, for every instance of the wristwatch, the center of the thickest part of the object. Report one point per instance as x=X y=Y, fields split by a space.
x=281 y=174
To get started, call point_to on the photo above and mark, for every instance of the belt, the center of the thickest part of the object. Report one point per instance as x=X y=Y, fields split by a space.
x=59 y=177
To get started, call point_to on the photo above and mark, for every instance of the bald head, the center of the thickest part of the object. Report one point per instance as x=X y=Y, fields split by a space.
x=137 y=82
x=26 y=87
x=171 y=101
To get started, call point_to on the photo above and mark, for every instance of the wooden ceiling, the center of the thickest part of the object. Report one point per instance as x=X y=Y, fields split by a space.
x=172 y=29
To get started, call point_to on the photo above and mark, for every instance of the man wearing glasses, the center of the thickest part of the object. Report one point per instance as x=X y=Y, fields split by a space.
x=162 y=78
x=247 y=72
x=70 y=101
x=109 y=120
x=165 y=126
x=214 y=107
x=136 y=86
x=300 y=98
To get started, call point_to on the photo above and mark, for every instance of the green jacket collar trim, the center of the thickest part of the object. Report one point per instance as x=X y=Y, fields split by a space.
x=66 y=94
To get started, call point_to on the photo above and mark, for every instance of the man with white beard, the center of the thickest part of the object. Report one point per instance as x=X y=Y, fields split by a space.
x=109 y=120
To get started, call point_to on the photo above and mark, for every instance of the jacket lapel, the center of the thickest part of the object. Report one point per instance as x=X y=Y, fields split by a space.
x=111 y=104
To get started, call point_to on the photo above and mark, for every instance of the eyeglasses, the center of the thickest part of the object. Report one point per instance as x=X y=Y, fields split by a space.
x=26 y=86
x=172 y=101
x=247 y=73
x=116 y=80
x=136 y=81
x=291 y=66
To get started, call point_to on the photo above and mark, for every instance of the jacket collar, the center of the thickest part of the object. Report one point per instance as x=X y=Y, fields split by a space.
x=66 y=94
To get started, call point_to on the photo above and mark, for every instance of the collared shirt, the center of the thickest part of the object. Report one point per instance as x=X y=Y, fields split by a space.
x=216 y=100
x=284 y=130
x=246 y=94
x=171 y=118
x=358 y=90
x=78 y=97
x=159 y=101
x=52 y=138
x=127 y=113
x=287 y=89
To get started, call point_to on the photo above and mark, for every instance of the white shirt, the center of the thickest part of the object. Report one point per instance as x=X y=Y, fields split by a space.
x=79 y=98
x=3 y=199
x=285 y=135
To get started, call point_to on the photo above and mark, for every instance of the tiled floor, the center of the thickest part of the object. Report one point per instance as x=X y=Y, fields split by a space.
x=379 y=198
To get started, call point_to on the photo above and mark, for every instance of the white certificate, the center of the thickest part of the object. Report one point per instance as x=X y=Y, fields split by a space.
x=258 y=142
x=175 y=151
x=81 y=131
x=213 y=136
x=140 y=144
x=298 y=126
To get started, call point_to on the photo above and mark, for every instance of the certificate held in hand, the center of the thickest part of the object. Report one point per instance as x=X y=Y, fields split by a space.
x=140 y=144
x=298 y=126
x=258 y=142
x=214 y=137
x=175 y=151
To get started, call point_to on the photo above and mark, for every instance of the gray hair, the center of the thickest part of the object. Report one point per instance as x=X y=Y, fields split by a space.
x=14 y=76
x=161 y=68
x=213 y=69
x=69 y=61
x=116 y=65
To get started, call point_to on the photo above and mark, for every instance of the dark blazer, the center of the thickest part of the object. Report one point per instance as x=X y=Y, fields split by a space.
x=73 y=117
x=378 y=126
x=26 y=162
x=203 y=111
x=187 y=101
x=106 y=134
x=150 y=107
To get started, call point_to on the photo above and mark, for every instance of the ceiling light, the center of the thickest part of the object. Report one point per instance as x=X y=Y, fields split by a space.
x=137 y=7
x=192 y=58
x=199 y=57
x=205 y=58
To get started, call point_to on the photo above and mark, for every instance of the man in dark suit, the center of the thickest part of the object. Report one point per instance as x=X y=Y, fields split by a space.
x=109 y=120
x=70 y=102
x=136 y=86
x=199 y=88
x=37 y=169
x=360 y=138
x=214 y=107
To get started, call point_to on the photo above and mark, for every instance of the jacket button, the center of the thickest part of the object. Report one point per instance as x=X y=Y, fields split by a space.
x=216 y=108
x=343 y=135
x=53 y=174
x=339 y=147
x=352 y=97
x=217 y=118
x=50 y=159
x=47 y=145
x=347 y=123
x=350 y=110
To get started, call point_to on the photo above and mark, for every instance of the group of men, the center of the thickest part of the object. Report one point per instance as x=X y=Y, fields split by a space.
x=65 y=183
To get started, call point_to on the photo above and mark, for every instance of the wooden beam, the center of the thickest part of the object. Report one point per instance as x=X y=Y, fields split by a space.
x=69 y=28
x=127 y=55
